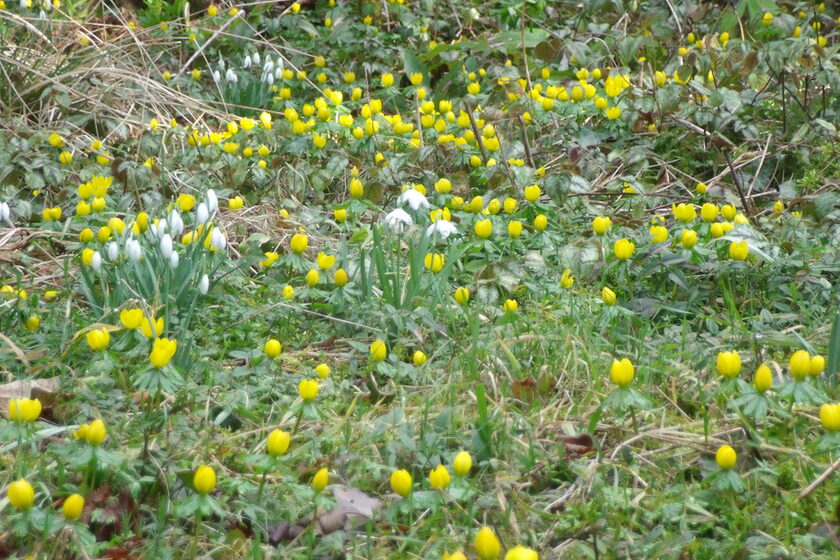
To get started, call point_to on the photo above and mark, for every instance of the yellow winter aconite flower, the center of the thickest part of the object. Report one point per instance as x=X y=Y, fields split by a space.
x=658 y=234
x=24 y=410
x=439 y=478
x=55 y=140
x=462 y=295
x=96 y=433
x=378 y=351
x=608 y=296
x=726 y=457
x=401 y=482
x=419 y=358
x=684 y=212
x=613 y=113
x=763 y=379
x=98 y=339
x=32 y=323
x=709 y=212
x=204 y=480
x=270 y=258
x=800 y=365
x=21 y=494
x=601 y=224
x=739 y=250
x=236 y=203
x=299 y=243
x=728 y=212
x=272 y=348
x=288 y=292
x=540 y=222
x=308 y=389
x=51 y=214
x=323 y=371
x=340 y=279
x=566 y=279
x=416 y=78
x=623 y=249
x=728 y=364
x=434 y=262
x=532 y=193
x=817 y=365
x=688 y=238
x=510 y=306
x=767 y=18
x=73 y=507
x=484 y=228
x=163 y=350
x=462 y=463
x=325 y=261
x=132 y=318
x=622 y=372
x=152 y=328
x=340 y=215
x=65 y=158
x=320 y=480
x=830 y=417
x=521 y=553
x=487 y=544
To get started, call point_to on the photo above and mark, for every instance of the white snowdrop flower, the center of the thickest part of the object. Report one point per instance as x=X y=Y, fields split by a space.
x=158 y=231
x=217 y=77
x=166 y=246
x=398 y=220
x=268 y=66
x=279 y=62
x=414 y=198
x=230 y=76
x=247 y=62
x=133 y=250
x=176 y=223
x=212 y=201
x=5 y=212
x=204 y=285
x=202 y=214
x=221 y=63
x=278 y=72
x=257 y=58
x=269 y=79
x=441 y=228
x=22 y=4
x=174 y=259
x=218 y=240
x=113 y=251
x=42 y=15
x=96 y=262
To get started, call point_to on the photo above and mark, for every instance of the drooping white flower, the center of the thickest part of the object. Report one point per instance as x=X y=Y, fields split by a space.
x=204 y=285
x=174 y=259
x=176 y=223
x=212 y=201
x=202 y=214
x=5 y=212
x=166 y=246
x=218 y=240
x=247 y=62
x=96 y=262
x=113 y=251
x=217 y=76
x=158 y=230
x=398 y=220
x=221 y=63
x=230 y=76
x=414 y=198
x=257 y=58
x=133 y=250
x=441 y=228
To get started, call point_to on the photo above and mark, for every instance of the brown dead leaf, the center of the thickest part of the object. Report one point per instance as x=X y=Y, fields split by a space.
x=575 y=446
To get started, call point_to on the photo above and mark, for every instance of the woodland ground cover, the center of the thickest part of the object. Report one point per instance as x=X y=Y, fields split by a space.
x=423 y=279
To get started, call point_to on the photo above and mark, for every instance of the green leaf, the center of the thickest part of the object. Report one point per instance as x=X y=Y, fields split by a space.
x=833 y=365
